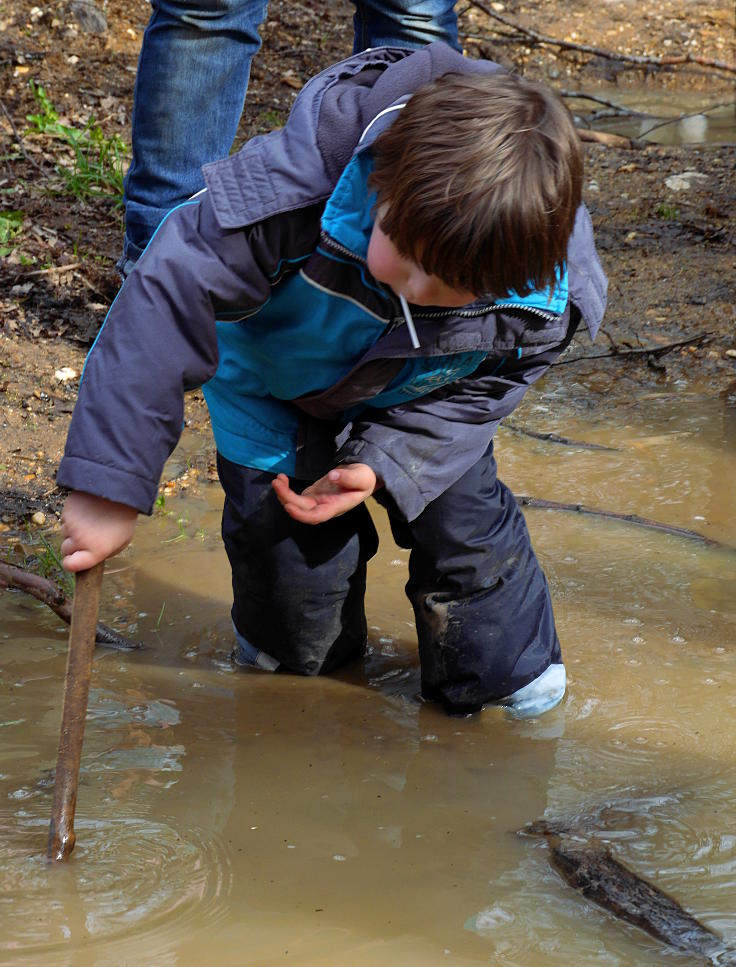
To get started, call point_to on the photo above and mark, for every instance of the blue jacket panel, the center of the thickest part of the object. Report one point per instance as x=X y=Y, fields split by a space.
x=216 y=294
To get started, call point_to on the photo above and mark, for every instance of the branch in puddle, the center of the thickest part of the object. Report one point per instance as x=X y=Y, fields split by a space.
x=553 y=438
x=670 y=60
x=46 y=591
x=590 y=867
x=664 y=122
x=619 y=110
x=543 y=504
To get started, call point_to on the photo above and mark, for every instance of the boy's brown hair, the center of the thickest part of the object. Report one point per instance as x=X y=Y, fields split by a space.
x=478 y=181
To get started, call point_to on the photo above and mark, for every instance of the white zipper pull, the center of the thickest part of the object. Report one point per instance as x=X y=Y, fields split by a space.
x=409 y=322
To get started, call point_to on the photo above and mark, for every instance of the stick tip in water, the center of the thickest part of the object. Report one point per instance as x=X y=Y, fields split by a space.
x=60 y=847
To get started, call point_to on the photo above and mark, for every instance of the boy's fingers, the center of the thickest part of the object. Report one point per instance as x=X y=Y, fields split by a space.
x=289 y=497
x=354 y=476
x=281 y=485
x=79 y=561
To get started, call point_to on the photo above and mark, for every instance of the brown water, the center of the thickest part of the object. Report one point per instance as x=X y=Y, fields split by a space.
x=236 y=818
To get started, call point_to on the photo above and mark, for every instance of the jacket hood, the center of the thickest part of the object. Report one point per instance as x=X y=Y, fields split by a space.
x=338 y=111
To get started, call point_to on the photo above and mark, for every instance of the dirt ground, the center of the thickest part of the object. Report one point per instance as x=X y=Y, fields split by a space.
x=669 y=252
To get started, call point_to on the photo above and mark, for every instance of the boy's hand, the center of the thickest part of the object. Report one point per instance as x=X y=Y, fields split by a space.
x=93 y=529
x=336 y=493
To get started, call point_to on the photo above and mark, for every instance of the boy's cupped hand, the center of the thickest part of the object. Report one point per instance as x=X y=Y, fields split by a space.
x=93 y=529
x=336 y=493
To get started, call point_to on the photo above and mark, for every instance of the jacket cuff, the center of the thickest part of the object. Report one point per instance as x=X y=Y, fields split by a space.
x=76 y=473
x=402 y=488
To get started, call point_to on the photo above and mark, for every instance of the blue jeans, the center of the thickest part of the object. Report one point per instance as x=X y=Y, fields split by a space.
x=192 y=80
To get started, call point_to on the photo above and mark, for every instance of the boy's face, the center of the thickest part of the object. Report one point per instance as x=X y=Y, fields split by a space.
x=407 y=278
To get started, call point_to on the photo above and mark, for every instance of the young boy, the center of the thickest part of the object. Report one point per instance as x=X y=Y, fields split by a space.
x=366 y=293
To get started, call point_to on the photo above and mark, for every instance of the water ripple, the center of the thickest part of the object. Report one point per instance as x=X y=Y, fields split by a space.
x=127 y=876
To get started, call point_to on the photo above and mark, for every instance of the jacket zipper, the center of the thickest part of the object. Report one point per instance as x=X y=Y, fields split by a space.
x=329 y=242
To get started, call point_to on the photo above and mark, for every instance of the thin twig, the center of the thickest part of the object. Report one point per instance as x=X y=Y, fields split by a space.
x=53 y=597
x=19 y=139
x=663 y=122
x=639 y=59
x=52 y=270
x=644 y=351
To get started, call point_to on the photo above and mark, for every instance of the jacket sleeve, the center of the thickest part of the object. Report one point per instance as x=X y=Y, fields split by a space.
x=158 y=341
x=421 y=448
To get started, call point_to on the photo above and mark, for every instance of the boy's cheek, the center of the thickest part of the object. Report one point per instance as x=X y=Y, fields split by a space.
x=383 y=259
x=374 y=263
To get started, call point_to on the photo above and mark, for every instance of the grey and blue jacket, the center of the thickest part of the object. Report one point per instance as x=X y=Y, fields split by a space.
x=258 y=290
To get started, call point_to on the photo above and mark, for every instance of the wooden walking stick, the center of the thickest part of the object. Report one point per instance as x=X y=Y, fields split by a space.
x=76 y=693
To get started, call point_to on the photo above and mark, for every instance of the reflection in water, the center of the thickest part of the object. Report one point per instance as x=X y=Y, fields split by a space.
x=234 y=817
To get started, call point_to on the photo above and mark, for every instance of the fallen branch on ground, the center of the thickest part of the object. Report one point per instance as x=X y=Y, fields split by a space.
x=609 y=139
x=51 y=595
x=642 y=60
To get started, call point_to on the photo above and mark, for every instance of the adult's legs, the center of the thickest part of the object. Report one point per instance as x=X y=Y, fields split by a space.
x=298 y=590
x=191 y=84
x=404 y=23
x=190 y=89
x=481 y=601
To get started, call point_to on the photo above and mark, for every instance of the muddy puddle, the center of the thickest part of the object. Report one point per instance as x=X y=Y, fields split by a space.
x=231 y=818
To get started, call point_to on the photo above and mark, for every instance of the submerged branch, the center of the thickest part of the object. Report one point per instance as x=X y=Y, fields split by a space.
x=53 y=597
x=543 y=504
x=591 y=868
x=553 y=438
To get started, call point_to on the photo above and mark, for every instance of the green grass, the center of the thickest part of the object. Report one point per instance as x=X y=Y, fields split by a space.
x=11 y=224
x=96 y=162
x=46 y=561
x=270 y=119
x=670 y=212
